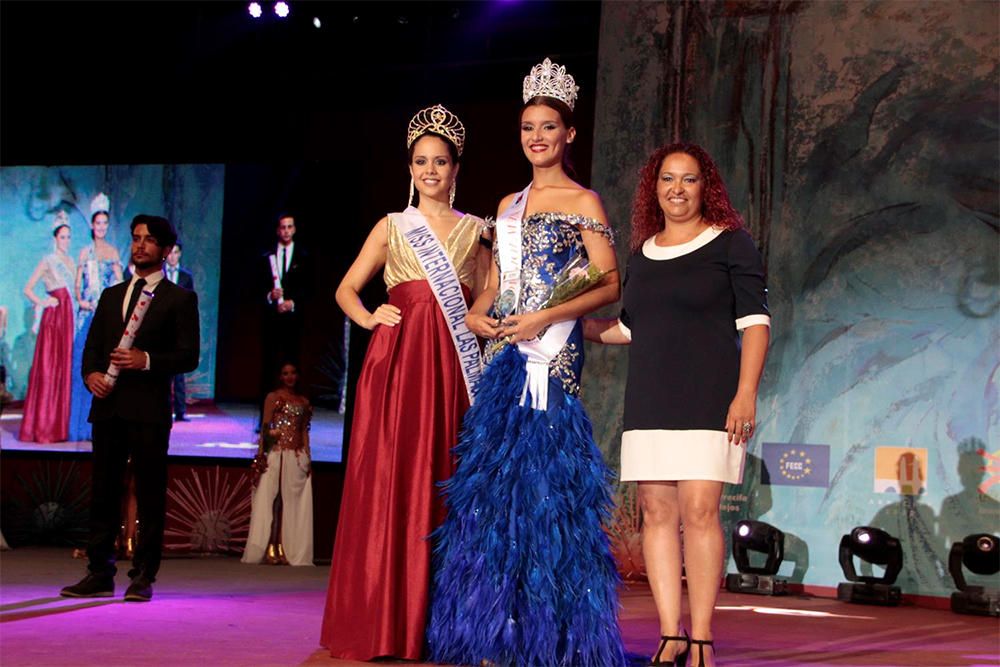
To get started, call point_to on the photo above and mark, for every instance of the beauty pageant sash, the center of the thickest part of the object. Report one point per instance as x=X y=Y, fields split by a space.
x=540 y=351
x=447 y=289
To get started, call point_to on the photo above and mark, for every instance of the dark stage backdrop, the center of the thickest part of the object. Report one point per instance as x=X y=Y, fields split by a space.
x=859 y=139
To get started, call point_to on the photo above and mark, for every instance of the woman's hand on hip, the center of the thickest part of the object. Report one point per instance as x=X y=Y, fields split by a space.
x=386 y=314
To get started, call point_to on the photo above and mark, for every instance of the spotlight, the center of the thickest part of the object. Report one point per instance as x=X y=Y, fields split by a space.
x=281 y=9
x=255 y=10
x=317 y=23
x=877 y=547
x=764 y=538
x=980 y=553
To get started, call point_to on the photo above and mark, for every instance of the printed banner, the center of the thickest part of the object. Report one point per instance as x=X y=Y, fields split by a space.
x=901 y=470
x=791 y=464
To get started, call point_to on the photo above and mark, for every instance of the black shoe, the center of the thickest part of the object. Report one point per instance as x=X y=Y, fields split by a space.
x=680 y=658
x=181 y=418
x=91 y=586
x=701 y=644
x=140 y=590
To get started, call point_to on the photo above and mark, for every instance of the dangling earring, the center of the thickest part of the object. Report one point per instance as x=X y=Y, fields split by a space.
x=409 y=202
x=451 y=195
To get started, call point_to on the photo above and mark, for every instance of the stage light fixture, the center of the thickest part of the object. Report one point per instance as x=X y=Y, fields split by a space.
x=255 y=10
x=879 y=548
x=281 y=9
x=317 y=23
x=980 y=553
x=763 y=538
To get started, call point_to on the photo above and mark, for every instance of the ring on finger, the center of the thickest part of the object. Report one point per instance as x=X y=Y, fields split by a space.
x=747 y=427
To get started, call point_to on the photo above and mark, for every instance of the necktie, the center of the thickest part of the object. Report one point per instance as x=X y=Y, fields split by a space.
x=134 y=299
x=284 y=262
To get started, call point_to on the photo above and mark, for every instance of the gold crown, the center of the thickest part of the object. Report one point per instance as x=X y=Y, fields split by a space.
x=550 y=80
x=438 y=120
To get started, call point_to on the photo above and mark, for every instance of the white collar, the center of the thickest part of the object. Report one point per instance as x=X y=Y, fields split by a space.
x=653 y=251
x=151 y=280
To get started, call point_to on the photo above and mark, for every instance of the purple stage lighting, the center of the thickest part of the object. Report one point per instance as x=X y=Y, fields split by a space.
x=255 y=10
x=281 y=9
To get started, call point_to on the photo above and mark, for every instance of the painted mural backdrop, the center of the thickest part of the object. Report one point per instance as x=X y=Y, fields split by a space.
x=190 y=196
x=860 y=140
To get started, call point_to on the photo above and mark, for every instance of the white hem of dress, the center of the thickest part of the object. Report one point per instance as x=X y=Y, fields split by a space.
x=625 y=330
x=655 y=252
x=670 y=455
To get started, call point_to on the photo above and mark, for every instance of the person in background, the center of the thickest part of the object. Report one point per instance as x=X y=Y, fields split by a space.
x=173 y=272
x=99 y=267
x=281 y=515
x=46 y=404
x=285 y=306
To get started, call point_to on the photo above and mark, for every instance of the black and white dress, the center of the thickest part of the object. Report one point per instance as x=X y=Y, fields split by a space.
x=683 y=307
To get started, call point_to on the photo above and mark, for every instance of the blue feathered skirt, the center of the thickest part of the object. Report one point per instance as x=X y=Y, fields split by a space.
x=523 y=572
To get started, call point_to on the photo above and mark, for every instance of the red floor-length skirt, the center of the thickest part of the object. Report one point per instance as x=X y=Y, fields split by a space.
x=408 y=409
x=46 y=405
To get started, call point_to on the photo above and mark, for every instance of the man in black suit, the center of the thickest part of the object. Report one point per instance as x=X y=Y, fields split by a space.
x=285 y=305
x=131 y=417
x=179 y=276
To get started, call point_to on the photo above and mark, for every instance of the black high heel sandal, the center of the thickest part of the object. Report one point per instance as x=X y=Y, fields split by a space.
x=702 y=643
x=680 y=659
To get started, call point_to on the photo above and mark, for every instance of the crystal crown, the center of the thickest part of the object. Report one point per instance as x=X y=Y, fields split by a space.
x=550 y=80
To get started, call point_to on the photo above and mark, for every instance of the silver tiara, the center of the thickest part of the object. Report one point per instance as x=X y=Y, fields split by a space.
x=550 y=80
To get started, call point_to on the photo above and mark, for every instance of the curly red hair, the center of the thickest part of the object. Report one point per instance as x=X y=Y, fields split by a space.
x=716 y=209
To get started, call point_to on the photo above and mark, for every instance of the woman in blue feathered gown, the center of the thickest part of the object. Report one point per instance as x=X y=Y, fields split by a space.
x=99 y=267
x=523 y=569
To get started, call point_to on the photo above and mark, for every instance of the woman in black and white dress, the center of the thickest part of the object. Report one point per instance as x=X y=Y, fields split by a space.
x=694 y=281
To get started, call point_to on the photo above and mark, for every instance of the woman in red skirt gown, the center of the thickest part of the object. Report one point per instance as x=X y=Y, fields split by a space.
x=46 y=404
x=414 y=387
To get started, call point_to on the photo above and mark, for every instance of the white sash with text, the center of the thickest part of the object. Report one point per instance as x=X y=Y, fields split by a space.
x=447 y=289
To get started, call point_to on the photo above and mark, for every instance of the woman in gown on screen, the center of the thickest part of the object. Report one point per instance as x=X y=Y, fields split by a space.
x=694 y=281
x=99 y=267
x=283 y=537
x=414 y=387
x=523 y=570
x=46 y=404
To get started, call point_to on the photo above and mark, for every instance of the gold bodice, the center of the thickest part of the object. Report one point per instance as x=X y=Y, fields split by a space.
x=289 y=422
x=402 y=265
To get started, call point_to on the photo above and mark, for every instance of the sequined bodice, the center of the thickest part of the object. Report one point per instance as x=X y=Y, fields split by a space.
x=290 y=422
x=402 y=265
x=549 y=241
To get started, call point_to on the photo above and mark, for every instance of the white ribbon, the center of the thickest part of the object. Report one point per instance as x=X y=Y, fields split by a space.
x=273 y=259
x=131 y=331
x=540 y=352
x=509 y=249
x=447 y=289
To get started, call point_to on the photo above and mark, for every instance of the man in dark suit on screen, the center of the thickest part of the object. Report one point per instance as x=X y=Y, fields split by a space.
x=131 y=417
x=175 y=273
x=285 y=304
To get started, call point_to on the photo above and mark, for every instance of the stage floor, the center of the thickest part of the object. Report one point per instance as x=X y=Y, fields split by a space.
x=219 y=431
x=217 y=611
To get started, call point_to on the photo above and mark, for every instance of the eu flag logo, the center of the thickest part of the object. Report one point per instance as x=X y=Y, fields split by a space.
x=789 y=464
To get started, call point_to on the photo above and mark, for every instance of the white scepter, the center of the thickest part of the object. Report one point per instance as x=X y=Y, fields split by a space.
x=274 y=275
x=131 y=329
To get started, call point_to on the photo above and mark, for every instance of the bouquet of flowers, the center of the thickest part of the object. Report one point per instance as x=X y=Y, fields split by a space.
x=576 y=277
